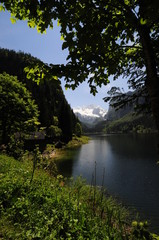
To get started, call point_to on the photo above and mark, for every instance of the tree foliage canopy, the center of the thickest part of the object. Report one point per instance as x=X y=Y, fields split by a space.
x=18 y=111
x=104 y=38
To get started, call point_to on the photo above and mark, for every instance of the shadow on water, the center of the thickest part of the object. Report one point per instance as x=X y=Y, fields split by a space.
x=65 y=164
x=131 y=170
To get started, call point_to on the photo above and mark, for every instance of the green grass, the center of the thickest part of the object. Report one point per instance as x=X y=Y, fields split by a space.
x=77 y=141
x=55 y=208
x=68 y=149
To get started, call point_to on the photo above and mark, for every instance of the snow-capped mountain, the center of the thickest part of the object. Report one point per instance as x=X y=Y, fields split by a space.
x=90 y=115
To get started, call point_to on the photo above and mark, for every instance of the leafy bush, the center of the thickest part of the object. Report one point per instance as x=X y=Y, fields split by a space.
x=18 y=111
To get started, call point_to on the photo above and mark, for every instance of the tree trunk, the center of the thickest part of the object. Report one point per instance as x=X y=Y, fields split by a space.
x=152 y=81
x=153 y=90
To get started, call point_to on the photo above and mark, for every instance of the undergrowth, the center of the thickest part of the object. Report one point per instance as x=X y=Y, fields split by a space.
x=45 y=207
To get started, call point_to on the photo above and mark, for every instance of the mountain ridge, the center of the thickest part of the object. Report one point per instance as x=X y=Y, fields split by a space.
x=90 y=115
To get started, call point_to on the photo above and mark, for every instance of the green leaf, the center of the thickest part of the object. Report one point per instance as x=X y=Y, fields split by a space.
x=127 y=2
x=13 y=20
x=118 y=12
x=58 y=23
x=38 y=29
x=62 y=38
x=55 y=77
x=31 y=70
x=130 y=51
x=142 y=21
x=31 y=24
x=37 y=123
x=2 y=8
x=26 y=69
x=42 y=75
x=116 y=24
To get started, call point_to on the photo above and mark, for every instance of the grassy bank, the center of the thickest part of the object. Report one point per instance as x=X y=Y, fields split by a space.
x=55 y=208
x=59 y=153
x=78 y=141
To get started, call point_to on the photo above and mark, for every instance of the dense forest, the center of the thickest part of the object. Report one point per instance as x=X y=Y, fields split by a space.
x=56 y=118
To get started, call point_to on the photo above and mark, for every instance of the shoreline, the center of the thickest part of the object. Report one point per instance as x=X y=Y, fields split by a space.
x=54 y=153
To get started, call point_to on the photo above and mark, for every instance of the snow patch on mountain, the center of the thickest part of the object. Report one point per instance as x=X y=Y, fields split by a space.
x=90 y=115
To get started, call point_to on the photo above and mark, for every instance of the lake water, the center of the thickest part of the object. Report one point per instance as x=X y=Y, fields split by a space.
x=131 y=170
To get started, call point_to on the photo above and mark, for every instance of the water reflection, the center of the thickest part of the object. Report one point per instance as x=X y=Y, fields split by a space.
x=65 y=165
x=130 y=166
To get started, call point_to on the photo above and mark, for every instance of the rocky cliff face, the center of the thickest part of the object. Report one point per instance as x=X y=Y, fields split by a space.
x=113 y=114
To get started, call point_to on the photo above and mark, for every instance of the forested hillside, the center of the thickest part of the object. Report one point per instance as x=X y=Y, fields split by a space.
x=55 y=114
x=128 y=119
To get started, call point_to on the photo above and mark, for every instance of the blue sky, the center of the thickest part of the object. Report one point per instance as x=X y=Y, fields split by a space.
x=48 y=48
